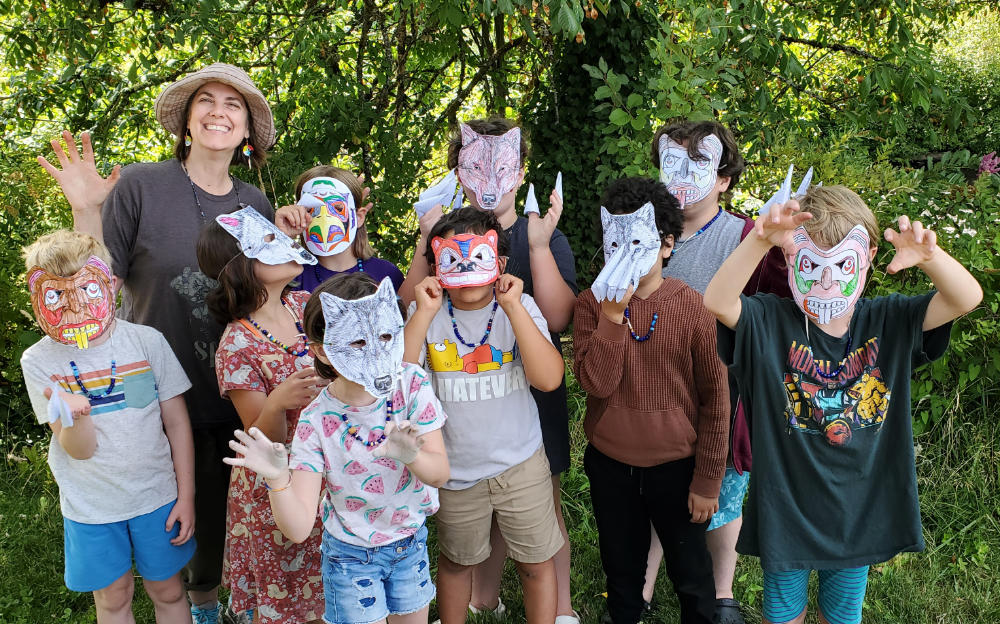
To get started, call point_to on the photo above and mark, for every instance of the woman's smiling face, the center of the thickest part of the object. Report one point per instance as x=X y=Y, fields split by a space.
x=218 y=118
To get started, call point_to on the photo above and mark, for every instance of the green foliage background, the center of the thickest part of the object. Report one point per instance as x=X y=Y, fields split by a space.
x=897 y=99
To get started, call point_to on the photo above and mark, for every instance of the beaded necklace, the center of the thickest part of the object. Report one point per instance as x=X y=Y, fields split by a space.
x=678 y=244
x=649 y=334
x=201 y=210
x=298 y=326
x=319 y=278
x=353 y=429
x=489 y=325
x=83 y=388
x=843 y=361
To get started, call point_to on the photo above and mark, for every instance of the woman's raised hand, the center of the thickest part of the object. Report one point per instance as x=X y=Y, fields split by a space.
x=82 y=185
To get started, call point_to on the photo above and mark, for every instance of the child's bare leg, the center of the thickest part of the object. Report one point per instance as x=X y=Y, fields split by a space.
x=564 y=598
x=168 y=600
x=486 y=576
x=114 y=602
x=417 y=617
x=538 y=582
x=721 y=544
x=454 y=584
x=653 y=560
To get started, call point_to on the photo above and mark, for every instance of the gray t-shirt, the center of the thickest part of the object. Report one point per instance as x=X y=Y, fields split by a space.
x=697 y=258
x=492 y=418
x=151 y=225
x=131 y=471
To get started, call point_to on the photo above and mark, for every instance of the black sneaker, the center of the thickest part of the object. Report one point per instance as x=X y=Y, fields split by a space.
x=727 y=611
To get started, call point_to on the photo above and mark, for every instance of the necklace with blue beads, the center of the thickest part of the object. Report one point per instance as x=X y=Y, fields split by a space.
x=636 y=337
x=83 y=388
x=298 y=327
x=843 y=361
x=680 y=243
x=353 y=429
x=489 y=325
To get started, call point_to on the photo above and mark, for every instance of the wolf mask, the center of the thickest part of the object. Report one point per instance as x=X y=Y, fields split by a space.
x=488 y=165
x=334 y=223
x=631 y=248
x=364 y=338
x=262 y=240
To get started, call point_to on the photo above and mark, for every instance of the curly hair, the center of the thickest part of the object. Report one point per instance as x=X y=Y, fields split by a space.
x=626 y=195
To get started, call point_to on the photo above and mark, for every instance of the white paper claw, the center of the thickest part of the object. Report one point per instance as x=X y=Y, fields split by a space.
x=559 y=185
x=442 y=192
x=785 y=192
x=531 y=202
x=59 y=409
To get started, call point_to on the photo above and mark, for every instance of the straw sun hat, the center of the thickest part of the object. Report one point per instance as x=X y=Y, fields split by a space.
x=171 y=102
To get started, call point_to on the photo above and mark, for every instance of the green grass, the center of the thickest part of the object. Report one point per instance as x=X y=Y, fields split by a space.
x=954 y=580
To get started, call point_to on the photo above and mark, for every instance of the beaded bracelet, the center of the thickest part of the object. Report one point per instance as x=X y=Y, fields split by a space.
x=281 y=489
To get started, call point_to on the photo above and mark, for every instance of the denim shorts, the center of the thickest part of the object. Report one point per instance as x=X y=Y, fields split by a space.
x=99 y=554
x=734 y=489
x=364 y=585
x=841 y=594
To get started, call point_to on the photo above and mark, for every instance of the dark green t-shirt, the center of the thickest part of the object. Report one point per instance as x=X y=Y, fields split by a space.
x=834 y=483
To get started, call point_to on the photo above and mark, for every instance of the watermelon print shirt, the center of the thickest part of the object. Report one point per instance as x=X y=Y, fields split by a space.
x=368 y=501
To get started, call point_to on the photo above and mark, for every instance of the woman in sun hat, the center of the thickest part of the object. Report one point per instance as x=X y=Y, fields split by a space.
x=150 y=219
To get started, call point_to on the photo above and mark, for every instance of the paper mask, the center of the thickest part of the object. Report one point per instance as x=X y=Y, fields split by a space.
x=488 y=165
x=466 y=260
x=531 y=202
x=827 y=284
x=364 y=338
x=690 y=181
x=631 y=248
x=443 y=193
x=73 y=310
x=785 y=192
x=334 y=222
x=262 y=240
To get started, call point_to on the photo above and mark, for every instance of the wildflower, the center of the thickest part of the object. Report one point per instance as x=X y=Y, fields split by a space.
x=990 y=164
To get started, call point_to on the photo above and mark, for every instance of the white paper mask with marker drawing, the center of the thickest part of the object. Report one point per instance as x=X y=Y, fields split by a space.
x=363 y=338
x=631 y=248
x=334 y=223
x=826 y=284
x=489 y=165
x=690 y=181
x=262 y=240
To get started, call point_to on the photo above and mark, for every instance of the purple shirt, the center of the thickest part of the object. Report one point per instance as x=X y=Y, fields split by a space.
x=313 y=276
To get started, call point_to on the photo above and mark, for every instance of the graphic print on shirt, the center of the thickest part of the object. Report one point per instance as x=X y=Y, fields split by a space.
x=834 y=408
x=498 y=383
x=135 y=386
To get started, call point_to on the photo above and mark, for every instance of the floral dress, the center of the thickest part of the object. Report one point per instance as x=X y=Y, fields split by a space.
x=263 y=569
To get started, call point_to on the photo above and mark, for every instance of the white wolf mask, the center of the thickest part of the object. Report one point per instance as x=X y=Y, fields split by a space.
x=262 y=240
x=364 y=338
x=631 y=248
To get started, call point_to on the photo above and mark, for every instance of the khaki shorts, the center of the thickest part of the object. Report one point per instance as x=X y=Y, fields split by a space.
x=521 y=498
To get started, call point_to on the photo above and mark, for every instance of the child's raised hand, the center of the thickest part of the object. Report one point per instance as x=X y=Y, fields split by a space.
x=509 y=290
x=66 y=404
x=401 y=443
x=183 y=512
x=293 y=219
x=540 y=229
x=429 y=218
x=79 y=180
x=298 y=389
x=914 y=244
x=615 y=310
x=777 y=225
x=257 y=453
x=701 y=508
x=428 y=294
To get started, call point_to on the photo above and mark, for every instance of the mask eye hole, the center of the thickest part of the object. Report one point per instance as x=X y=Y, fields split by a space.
x=269 y=238
x=614 y=245
x=93 y=290
x=847 y=265
x=52 y=296
x=635 y=242
x=805 y=265
x=448 y=259
x=358 y=344
x=385 y=337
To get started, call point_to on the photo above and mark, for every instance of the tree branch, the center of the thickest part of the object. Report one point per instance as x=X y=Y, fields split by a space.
x=838 y=47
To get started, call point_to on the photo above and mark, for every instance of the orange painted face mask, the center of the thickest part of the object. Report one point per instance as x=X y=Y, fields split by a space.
x=76 y=309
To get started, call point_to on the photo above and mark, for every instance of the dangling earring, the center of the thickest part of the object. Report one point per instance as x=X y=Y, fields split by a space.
x=187 y=138
x=248 y=152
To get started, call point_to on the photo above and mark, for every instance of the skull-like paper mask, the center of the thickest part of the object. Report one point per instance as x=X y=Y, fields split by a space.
x=488 y=165
x=827 y=284
x=631 y=248
x=690 y=181
x=262 y=240
x=76 y=309
x=334 y=222
x=364 y=338
x=466 y=259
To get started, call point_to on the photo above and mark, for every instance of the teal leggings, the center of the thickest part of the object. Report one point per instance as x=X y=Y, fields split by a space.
x=841 y=594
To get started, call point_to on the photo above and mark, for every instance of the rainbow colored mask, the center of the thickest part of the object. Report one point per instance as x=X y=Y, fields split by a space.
x=690 y=181
x=488 y=165
x=334 y=224
x=827 y=284
x=76 y=309
x=466 y=260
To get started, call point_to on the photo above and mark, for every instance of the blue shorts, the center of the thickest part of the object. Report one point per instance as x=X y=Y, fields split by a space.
x=734 y=489
x=841 y=594
x=364 y=585
x=98 y=554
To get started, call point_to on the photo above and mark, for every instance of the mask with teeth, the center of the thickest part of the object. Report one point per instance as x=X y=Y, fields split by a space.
x=826 y=284
x=690 y=181
x=363 y=338
x=466 y=260
x=334 y=223
x=76 y=309
x=488 y=165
